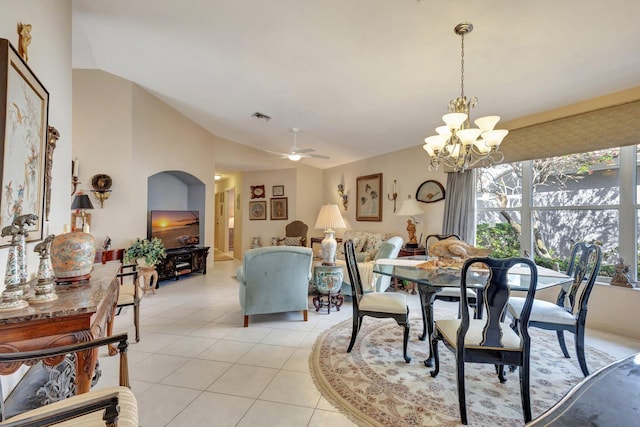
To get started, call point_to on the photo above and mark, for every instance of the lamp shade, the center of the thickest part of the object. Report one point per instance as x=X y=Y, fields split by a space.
x=81 y=201
x=329 y=218
x=410 y=207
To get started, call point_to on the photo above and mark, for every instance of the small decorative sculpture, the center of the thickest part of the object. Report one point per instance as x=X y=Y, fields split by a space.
x=621 y=276
x=13 y=294
x=106 y=245
x=45 y=286
x=343 y=196
x=24 y=40
x=411 y=230
x=21 y=222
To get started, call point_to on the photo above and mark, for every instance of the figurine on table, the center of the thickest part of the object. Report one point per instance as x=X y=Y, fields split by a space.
x=621 y=276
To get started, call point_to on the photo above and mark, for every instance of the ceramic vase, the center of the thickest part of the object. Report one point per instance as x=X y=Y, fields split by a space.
x=72 y=256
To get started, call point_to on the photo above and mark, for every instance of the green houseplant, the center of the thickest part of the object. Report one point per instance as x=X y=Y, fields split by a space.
x=151 y=251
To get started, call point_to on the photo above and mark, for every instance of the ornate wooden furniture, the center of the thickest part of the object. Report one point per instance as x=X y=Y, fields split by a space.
x=569 y=313
x=83 y=311
x=101 y=407
x=375 y=304
x=489 y=341
x=183 y=261
x=297 y=229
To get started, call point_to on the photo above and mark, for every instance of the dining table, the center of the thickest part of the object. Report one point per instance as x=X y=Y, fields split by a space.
x=433 y=280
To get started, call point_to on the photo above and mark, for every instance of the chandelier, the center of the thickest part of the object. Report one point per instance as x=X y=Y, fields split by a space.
x=458 y=146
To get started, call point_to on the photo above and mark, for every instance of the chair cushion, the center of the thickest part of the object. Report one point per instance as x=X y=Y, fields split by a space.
x=542 y=311
x=126 y=400
x=449 y=330
x=126 y=295
x=384 y=302
x=455 y=293
x=291 y=241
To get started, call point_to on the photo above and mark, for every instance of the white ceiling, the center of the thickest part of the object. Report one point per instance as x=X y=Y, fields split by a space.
x=358 y=77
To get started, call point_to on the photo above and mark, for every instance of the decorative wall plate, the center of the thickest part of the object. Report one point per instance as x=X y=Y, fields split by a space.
x=430 y=191
x=257 y=191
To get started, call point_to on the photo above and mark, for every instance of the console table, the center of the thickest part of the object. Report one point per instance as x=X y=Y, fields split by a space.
x=82 y=312
x=183 y=261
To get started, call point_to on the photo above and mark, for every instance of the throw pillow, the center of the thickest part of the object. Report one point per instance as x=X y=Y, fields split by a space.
x=292 y=241
x=358 y=244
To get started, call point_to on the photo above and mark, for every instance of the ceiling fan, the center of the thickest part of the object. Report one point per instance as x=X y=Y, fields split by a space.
x=296 y=153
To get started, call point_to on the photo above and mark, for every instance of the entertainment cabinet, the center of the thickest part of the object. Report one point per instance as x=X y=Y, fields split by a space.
x=183 y=261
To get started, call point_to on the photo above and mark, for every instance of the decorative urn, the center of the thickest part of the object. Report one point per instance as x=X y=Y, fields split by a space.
x=72 y=256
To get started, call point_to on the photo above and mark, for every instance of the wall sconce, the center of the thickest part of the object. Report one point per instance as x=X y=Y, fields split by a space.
x=393 y=196
x=74 y=176
x=344 y=196
x=101 y=184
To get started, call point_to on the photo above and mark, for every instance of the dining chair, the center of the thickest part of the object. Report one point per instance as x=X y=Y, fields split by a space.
x=451 y=294
x=569 y=313
x=489 y=340
x=374 y=304
x=106 y=406
x=129 y=295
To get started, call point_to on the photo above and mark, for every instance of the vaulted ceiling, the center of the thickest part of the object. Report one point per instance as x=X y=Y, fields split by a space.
x=357 y=77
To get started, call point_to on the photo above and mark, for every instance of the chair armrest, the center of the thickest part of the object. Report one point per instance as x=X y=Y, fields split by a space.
x=37 y=355
x=240 y=275
x=109 y=403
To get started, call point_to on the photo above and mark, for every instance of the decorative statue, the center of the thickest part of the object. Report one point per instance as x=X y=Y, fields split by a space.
x=621 y=276
x=411 y=229
x=24 y=40
x=21 y=222
x=106 y=245
x=45 y=287
x=13 y=294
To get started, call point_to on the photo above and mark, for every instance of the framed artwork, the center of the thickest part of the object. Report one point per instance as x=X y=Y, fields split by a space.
x=369 y=201
x=278 y=190
x=76 y=220
x=430 y=191
x=257 y=191
x=23 y=138
x=258 y=210
x=279 y=208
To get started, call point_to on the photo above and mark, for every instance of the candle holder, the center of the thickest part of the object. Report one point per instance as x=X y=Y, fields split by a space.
x=393 y=197
x=45 y=286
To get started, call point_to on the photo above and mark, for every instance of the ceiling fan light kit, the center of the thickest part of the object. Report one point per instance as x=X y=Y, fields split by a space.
x=296 y=153
x=458 y=146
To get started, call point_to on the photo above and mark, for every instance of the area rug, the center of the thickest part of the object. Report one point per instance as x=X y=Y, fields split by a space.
x=373 y=386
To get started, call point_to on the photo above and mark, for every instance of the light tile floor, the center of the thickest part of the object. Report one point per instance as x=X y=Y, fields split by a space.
x=195 y=364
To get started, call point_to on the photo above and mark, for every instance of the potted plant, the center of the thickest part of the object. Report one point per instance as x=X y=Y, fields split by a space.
x=149 y=252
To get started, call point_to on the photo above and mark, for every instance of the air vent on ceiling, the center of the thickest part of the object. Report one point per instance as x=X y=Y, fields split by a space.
x=261 y=116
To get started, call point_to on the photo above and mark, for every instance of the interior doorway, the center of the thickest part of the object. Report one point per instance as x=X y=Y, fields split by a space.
x=230 y=209
x=225 y=220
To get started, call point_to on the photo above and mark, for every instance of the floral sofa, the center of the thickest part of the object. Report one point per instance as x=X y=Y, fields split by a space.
x=369 y=246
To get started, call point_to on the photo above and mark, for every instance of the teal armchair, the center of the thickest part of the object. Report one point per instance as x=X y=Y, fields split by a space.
x=275 y=279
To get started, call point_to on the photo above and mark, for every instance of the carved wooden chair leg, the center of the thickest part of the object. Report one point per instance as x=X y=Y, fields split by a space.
x=563 y=345
x=461 y=391
x=436 y=357
x=579 y=337
x=354 y=332
x=524 y=391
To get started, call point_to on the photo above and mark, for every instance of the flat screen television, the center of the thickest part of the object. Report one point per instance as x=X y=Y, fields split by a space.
x=176 y=229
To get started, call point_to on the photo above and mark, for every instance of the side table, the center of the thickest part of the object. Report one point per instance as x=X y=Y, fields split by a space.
x=148 y=278
x=328 y=282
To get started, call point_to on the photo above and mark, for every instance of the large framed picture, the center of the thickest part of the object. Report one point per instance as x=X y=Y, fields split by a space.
x=258 y=210
x=369 y=201
x=279 y=208
x=23 y=139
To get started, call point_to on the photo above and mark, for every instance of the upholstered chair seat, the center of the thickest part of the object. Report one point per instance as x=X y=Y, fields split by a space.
x=384 y=302
x=449 y=329
x=543 y=311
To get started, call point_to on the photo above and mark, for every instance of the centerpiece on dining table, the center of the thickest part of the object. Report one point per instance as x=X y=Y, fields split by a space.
x=451 y=254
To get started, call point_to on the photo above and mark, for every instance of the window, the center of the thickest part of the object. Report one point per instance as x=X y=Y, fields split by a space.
x=567 y=199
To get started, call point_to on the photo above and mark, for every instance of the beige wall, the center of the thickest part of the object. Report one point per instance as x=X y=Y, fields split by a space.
x=409 y=168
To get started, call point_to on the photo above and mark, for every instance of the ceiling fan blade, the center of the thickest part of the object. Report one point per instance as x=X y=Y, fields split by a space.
x=296 y=150
x=317 y=156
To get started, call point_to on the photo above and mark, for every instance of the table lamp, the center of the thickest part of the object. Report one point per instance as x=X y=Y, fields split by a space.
x=82 y=202
x=328 y=219
x=411 y=208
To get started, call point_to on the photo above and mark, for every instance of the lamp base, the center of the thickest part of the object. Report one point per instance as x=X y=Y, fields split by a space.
x=411 y=245
x=329 y=246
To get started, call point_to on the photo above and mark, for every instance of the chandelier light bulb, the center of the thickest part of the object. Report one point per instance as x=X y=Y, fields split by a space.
x=436 y=142
x=494 y=138
x=468 y=136
x=487 y=123
x=443 y=130
x=454 y=120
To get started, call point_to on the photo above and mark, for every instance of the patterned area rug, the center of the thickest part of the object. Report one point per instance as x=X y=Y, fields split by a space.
x=373 y=385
